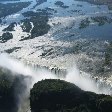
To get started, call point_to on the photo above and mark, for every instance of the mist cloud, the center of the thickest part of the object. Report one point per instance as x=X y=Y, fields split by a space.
x=82 y=80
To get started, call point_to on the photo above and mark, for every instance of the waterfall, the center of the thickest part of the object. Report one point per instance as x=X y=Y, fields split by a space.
x=83 y=80
x=61 y=73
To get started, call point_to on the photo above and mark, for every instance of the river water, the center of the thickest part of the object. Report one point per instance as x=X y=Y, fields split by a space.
x=77 y=10
x=63 y=36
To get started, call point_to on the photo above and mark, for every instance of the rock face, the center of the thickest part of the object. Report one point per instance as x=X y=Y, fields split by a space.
x=53 y=95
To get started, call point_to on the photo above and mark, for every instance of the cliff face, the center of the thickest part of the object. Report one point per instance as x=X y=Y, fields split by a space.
x=52 y=95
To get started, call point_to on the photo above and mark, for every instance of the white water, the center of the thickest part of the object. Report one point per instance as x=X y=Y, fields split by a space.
x=73 y=76
x=20 y=68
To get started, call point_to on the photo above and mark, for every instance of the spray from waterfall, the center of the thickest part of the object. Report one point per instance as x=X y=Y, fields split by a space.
x=19 y=68
x=82 y=80
x=73 y=75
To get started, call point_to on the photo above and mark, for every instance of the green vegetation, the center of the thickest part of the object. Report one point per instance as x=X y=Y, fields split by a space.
x=61 y=4
x=5 y=37
x=99 y=2
x=26 y=25
x=110 y=7
x=11 y=88
x=40 y=2
x=107 y=59
x=0 y=21
x=10 y=8
x=10 y=27
x=53 y=95
x=47 y=52
x=84 y=23
x=12 y=50
x=101 y=20
x=105 y=104
x=39 y=20
x=6 y=94
x=25 y=38
x=108 y=55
